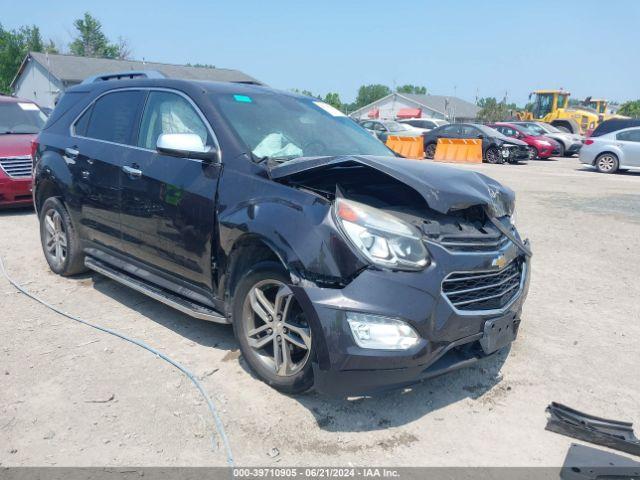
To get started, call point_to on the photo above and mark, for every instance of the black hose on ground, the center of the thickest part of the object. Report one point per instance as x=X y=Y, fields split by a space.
x=212 y=408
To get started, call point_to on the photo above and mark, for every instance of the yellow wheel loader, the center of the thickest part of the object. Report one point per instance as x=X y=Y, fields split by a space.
x=552 y=106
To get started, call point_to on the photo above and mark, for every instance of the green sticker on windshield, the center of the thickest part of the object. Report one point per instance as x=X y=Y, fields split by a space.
x=242 y=98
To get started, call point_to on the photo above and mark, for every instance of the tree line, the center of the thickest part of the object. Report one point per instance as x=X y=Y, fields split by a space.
x=89 y=41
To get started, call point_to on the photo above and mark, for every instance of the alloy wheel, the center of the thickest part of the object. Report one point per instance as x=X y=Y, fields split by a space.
x=493 y=156
x=430 y=151
x=276 y=328
x=55 y=241
x=606 y=163
x=533 y=153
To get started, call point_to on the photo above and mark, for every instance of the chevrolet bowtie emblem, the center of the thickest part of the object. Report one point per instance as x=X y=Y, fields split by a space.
x=499 y=262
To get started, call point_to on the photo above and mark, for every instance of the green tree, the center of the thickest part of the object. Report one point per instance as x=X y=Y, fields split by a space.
x=630 y=109
x=333 y=99
x=493 y=111
x=306 y=93
x=370 y=93
x=92 y=42
x=408 y=88
x=14 y=46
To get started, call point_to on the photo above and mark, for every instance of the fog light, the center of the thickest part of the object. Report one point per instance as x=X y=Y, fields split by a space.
x=382 y=333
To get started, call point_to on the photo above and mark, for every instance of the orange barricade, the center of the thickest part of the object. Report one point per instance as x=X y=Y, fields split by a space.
x=410 y=147
x=458 y=150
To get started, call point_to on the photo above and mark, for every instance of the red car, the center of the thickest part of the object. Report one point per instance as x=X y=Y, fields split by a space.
x=20 y=122
x=539 y=145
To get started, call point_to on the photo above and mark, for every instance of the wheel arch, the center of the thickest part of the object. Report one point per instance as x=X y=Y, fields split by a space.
x=247 y=251
x=46 y=188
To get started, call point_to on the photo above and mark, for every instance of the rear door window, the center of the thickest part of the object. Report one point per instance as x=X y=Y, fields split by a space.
x=114 y=117
x=629 y=136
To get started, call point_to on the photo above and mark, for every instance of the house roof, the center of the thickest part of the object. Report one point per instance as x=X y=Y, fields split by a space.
x=74 y=69
x=443 y=104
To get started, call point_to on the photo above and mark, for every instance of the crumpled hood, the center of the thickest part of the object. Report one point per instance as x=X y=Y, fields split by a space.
x=444 y=188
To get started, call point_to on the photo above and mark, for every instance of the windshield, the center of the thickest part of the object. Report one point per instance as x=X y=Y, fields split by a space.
x=284 y=127
x=396 y=127
x=531 y=129
x=552 y=129
x=20 y=117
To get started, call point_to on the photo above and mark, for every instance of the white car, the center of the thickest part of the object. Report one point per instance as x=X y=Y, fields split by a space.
x=619 y=150
x=424 y=124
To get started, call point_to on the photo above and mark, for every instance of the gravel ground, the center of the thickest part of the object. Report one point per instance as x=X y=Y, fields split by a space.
x=73 y=396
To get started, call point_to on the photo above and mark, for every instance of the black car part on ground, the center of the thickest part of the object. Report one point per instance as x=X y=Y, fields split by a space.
x=601 y=431
x=583 y=462
x=615 y=124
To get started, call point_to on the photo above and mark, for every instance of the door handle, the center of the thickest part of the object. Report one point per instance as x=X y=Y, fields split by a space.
x=71 y=152
x=132 y=172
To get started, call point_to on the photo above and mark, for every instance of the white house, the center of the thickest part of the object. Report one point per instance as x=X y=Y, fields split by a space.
x=43 y=77
x=409 y=105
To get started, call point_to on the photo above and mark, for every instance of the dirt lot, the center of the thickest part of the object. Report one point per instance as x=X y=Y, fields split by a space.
x=70 y=395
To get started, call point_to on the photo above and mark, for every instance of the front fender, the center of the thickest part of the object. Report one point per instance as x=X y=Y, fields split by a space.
x=299 y=229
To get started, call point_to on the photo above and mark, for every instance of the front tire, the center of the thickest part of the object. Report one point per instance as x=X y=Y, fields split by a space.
x=561 y=150
x=492 y=155
x=60 y=241
x=607 y=163
x=274 y=335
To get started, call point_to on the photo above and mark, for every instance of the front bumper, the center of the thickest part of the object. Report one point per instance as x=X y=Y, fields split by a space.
x=450 y=338
x=546 y=152
x=574 y=148
x=15 y=192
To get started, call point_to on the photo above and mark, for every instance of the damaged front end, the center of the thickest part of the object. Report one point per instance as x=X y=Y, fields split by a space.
x=445 y=274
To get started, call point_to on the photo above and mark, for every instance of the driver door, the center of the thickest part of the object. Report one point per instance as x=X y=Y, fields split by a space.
x=168 y=203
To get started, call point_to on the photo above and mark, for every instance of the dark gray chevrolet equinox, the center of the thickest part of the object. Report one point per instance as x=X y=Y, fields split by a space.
x=339 y=265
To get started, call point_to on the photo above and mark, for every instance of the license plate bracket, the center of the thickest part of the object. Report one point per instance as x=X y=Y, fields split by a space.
x=498 y=333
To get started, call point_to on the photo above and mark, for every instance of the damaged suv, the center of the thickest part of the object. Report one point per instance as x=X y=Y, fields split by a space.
x=339 y=265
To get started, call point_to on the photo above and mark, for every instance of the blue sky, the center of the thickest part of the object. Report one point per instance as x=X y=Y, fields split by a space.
x=452 y=47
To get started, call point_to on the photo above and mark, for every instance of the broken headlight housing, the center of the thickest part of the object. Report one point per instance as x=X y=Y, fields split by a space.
x=382 y=238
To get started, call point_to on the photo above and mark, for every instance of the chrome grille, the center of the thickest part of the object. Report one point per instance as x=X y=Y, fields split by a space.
x=474 y=243
x=17 y=167
x=483 y=290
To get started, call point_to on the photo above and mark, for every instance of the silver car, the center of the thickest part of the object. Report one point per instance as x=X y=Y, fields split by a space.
x=570 y=143
x=619 y=150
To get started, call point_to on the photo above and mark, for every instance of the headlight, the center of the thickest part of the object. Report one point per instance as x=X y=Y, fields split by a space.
x=382 y=333
x=382 y=238
x=545 y=143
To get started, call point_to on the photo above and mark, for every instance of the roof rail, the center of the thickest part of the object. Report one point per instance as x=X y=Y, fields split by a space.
x=124 y=76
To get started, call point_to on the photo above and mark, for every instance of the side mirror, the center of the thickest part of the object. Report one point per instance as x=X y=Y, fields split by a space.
x=186 y=145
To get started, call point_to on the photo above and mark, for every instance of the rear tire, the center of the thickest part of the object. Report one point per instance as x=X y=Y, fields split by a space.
x=607 y=163
x=274 y=336
x=430 y=151
x=60 y=241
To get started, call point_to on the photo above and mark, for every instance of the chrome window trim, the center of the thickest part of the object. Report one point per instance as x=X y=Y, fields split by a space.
x=207 y=125
x=496 y=311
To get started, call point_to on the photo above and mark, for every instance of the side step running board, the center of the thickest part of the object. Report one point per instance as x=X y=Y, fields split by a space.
x=179 y=303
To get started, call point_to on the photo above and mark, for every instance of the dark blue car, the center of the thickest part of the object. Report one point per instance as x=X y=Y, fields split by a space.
x=339 y=265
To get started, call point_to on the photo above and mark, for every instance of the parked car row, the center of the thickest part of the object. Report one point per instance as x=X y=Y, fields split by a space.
x=496 y=147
